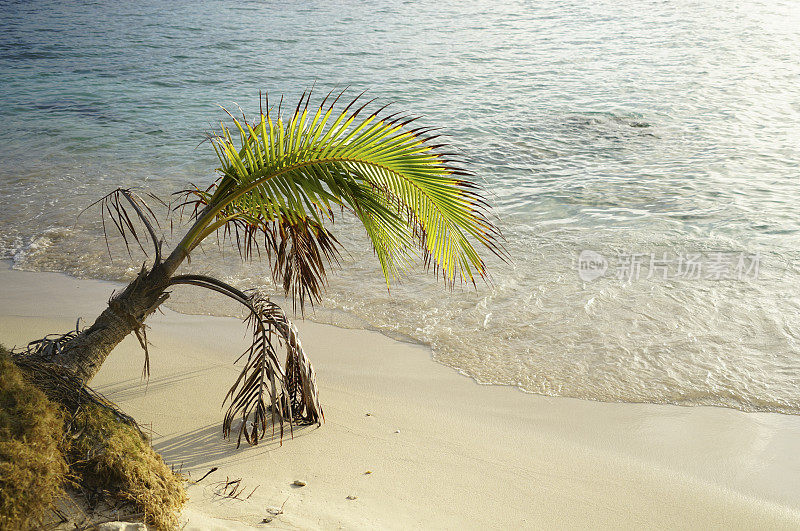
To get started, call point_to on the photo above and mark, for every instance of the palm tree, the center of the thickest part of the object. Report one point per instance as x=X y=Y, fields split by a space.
x=278 y=187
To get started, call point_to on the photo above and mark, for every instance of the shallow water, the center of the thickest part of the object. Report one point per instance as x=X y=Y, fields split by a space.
x=649 y=127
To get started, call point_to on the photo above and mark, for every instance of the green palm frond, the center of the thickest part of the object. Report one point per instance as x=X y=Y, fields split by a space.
x=414 y=200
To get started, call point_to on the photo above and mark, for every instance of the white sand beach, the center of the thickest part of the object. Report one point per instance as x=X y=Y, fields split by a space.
x=442 y=451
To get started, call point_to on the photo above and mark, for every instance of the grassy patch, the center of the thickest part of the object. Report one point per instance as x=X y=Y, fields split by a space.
x=32 y=465
x=42 y=445
x=113 y=457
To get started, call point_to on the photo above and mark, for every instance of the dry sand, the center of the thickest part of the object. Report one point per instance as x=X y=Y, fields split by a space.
x=443 y=451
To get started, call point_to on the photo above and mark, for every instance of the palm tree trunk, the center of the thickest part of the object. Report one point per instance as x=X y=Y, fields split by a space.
x=126 y=312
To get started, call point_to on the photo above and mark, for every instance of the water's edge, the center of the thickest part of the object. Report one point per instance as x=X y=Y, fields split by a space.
x=114 y=285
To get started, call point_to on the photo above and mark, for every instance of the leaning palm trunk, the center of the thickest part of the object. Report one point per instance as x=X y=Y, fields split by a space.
x=278 y=189
x=125 y=314
x=85 y=352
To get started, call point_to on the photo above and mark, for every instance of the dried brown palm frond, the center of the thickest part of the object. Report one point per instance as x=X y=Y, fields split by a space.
x=50 y=345
x=266 y=392
x=298 y=249
x=302 y=249
x=113 y=206
x=301 y=379
x=262 y=376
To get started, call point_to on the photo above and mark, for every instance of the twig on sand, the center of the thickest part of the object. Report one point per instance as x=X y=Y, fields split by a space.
x=232 y=489
x=276 y=512
x=206 y=475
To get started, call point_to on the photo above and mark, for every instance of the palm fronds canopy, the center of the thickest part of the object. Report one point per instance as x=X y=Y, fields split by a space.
x=283 y=178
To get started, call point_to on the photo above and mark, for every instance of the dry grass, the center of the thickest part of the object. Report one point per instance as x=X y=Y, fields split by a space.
x=32 y=466
x=43 y=446
x=112 y=457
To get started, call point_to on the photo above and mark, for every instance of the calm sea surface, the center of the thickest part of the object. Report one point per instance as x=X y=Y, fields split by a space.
x=664 y=137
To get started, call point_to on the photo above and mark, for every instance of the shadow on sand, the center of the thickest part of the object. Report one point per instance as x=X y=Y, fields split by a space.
x=206 y=447
x=138 y=387
x=203 y=446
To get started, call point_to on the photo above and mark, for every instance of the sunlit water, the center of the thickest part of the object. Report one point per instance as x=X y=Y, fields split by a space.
x=642 y=127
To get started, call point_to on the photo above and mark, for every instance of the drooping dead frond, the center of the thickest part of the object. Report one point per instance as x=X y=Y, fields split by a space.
x=113 y=206
x=302 y=250
x=266 y=392
x=298 y=401
x=261 y=376
x=301 y=379
x=299 y=249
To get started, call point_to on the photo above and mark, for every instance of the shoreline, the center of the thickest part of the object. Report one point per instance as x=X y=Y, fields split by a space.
x=9 y=263
x=465 y=453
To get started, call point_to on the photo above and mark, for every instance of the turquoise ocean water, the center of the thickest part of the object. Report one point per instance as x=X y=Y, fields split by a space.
x=664 y=137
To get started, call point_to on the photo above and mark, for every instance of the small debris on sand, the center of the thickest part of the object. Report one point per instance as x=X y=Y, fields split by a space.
x=368 y=415
x=266 y=520
x=206 y=475
x=299 y=483
x=368 y=472
x=351 y=497
x=397 y=431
